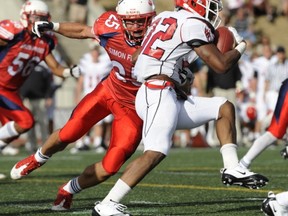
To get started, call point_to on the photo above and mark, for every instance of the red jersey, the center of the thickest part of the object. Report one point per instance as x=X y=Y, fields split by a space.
x=121 y=81
x=22 y=53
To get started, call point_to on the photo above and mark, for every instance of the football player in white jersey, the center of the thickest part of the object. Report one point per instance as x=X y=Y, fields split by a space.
x=174 y=40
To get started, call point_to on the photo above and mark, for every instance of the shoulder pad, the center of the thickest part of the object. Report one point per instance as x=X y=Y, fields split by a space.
x=9 y=28
x=108 y=22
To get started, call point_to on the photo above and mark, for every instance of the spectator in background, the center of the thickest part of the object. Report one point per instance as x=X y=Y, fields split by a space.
x=243 y=24
x=262 y=7
x=264 y=40
x=246 y=92
x=260 y=66
x=38 y=90
x=277 y=73
x=60 y=7
x=95 y=66
x=224 y=85
x=233 y=5
x=78 y=11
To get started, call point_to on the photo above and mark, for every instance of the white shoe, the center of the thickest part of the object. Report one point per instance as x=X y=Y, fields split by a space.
x=100 y=149
x=243 y=177
x=9 y=150
x=271 y=207
x=109 y=209
x=76 y=150
x=2 y=176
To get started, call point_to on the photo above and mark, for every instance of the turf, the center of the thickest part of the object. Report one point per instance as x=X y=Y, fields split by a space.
x=186 y=183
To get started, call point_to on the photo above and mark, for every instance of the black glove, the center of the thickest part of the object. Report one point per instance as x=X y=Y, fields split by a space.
x=75 y=71
x=42 y=26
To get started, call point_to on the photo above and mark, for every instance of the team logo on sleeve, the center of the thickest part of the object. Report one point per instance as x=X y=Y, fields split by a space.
x=208 y=34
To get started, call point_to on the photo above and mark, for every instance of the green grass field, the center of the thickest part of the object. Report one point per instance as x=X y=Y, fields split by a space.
x=186 y=183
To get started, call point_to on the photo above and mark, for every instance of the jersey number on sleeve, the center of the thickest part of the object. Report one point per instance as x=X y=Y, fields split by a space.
x=112 y=22
x=152 y=38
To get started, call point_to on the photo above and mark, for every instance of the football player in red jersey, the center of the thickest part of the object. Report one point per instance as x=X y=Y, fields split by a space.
x=121 y=34
x=20 y=51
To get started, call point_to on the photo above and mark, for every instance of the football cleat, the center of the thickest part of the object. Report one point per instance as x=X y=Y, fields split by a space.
x=24 y=167
x=109 y=209
x=9 y=150
x=76 y=150
x=100 y=149
x=63 y=201
x=243 y=177
x=284 y=152
x=270 y=206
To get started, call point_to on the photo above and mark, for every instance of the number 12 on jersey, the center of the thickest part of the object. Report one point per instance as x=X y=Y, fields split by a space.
x=151 y=46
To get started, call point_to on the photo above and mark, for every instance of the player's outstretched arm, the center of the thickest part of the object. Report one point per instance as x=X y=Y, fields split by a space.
x=59 y=70
x=68 y=29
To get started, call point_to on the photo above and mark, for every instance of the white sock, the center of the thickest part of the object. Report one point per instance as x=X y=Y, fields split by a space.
x=259 y=145
x=39 y=157
x=229 y=155
x=282 y=198
x=118 y=192
x=79 y=143
x=73 y=186
x=8 y=131
x=86 y=140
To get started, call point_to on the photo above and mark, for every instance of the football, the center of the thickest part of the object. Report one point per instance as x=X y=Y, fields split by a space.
x=224 y=39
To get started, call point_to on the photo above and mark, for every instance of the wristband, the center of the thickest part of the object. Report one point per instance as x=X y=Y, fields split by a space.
x=56 y=26
x=66 y=72
x=241 y=47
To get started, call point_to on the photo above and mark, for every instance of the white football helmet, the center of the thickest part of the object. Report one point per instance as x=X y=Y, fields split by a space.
x=33 y=7
x=209 y=9
x=136 y=12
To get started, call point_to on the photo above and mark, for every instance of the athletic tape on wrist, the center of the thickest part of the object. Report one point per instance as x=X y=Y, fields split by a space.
x=241 y=47
x=56 y=26
x=66 y=72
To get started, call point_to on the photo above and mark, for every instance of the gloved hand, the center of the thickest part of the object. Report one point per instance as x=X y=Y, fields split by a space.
x=237 y=37
x=42 y=26
x=75 y=71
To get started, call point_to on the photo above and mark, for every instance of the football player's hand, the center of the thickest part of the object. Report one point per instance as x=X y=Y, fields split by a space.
x=41 y=26
x=75 y=71
x=284 y=152
x=237 y=37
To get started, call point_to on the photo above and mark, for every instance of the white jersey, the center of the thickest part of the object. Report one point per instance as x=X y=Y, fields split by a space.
x=170 y=40
x=93 y=72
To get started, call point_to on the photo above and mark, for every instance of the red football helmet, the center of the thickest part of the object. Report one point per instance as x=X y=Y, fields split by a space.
x=209 y=9
x=136 y=16
x=33 y=10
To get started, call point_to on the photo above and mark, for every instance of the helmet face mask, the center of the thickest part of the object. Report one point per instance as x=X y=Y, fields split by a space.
x=136 y=16
x=32 y=11
x=209 y=9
